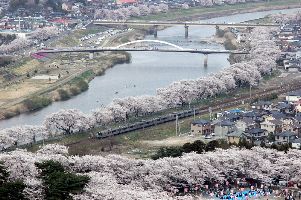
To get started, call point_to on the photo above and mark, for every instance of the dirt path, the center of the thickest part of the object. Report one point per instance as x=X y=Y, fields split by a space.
x=172 y=141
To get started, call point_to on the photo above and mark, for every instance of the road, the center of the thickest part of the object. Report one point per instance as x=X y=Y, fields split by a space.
x=118 y=49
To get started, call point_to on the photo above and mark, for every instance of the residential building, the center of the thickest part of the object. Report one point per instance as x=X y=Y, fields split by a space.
x=255 y=134
x=293 y=127
x=285 y=137
x=223 y=127
x=296 y=144
x=262 y=105
x=234 y=137
x=203 y=127
x=293 y=96
x=245 y=123
x=272 y=126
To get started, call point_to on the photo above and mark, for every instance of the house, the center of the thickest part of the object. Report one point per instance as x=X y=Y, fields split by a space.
x=262 y=105
x=66 y=6
x=203 y=127
x=234 y=137
x=283 y=107
x=285 y=137
x=277 y=115
x=296 y=143
x=246 y=123
x=121 y=2
x=255 y=115
x=293 y=96
x=232 y=117
x=272 y=126
x=297 y=118
x=293 y=127
x=255 y=134
x=223 y=127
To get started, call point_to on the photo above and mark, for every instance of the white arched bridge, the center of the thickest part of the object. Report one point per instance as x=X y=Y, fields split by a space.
x=151 y=41
x=124 y=47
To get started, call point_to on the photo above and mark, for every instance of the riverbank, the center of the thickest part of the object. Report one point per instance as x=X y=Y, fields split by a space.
x=218 y=11
x=55 y=80
x=59 y=90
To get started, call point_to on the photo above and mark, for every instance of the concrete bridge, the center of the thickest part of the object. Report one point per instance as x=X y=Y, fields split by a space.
x=122 y=47
x=186 y=25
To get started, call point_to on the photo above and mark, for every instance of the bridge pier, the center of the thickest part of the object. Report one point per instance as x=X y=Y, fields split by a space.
x=186 y=31
x=155 y=31
x=205 y=60
x=91 y=55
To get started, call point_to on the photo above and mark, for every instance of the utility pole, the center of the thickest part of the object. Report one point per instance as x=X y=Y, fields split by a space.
x=250 y=94
x=193 y=113
x=19 y=24
x=177 y=118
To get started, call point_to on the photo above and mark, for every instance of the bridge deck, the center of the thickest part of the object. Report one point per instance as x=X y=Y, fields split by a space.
x=174 y=23
x=93 y=50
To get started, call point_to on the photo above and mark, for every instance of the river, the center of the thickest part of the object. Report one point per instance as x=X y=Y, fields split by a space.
x=147 y=70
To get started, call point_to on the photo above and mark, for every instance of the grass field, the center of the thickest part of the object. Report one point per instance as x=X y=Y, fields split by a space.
x=201 y=11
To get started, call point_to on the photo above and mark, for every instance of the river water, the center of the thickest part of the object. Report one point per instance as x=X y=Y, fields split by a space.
x=147 y=70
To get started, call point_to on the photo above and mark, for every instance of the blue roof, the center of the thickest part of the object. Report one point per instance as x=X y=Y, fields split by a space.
x=235 y=111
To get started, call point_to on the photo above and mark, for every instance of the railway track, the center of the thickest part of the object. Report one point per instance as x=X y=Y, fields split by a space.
x=197 y=111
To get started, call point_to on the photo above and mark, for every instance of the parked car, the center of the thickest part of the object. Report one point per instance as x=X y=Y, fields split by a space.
x=208 y=137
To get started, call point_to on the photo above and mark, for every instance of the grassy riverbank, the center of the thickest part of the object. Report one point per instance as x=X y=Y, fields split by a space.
x=201 y=12
x=25 y=93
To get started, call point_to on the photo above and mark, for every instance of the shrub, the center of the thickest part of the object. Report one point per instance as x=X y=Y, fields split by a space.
x=36 y=103
x=168 y=152
x=64 y=95
x=82 y=85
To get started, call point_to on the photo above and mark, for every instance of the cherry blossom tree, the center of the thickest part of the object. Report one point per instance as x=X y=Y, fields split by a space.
x=118 y=177
x=44 y=33
x=68 y=122
x=144 y=10
x=16 y=45
x=21 y=135
x=163 y=7
x=134 y=11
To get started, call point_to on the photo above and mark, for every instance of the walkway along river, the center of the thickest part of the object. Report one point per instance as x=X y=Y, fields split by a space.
x=147 y=71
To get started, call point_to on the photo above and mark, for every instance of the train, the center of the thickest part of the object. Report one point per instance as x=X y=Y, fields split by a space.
x=147 y=123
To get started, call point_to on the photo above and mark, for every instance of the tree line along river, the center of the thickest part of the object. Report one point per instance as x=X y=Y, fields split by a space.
x=148 y=70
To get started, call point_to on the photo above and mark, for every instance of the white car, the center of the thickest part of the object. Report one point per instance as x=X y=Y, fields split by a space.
x=208 y=137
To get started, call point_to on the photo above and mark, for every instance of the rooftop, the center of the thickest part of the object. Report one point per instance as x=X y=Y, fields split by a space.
x=201 y=122
x=255 y=130
x=286 y=134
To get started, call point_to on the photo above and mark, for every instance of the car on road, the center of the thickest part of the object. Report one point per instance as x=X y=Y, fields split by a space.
x=208 y=137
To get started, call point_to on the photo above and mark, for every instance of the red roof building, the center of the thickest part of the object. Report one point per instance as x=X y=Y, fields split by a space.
x=126 y=1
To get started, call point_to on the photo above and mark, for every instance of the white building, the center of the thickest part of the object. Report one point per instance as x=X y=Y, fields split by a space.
x=293 y=96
